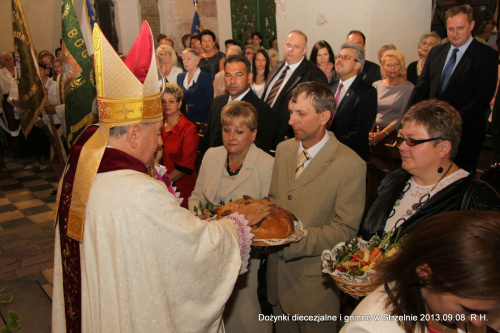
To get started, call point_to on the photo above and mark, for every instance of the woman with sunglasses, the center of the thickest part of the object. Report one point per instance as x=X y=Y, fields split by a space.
x=427 y=182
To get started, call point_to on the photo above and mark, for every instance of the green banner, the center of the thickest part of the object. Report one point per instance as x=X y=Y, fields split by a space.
x=32 y=96
x=78 y=75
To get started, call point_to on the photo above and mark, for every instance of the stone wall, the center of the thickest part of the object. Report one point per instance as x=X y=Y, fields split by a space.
x=150 y=13
x=176 y=18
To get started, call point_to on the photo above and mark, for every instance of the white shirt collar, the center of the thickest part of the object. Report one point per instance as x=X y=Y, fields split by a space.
x=314 y=150
x=347 y=83
x=188 y=84
x=240 y=97
x=294 y=66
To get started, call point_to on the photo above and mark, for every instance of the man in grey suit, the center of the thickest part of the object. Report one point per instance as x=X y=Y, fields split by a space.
x=322 y=182
x=462 y=72
x=237 y=77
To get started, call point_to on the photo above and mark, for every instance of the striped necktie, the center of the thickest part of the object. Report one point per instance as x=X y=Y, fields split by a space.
x=276 y=87
x=303 y=157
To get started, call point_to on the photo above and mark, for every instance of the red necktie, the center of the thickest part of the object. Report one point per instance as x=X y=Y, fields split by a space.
x=337 y=96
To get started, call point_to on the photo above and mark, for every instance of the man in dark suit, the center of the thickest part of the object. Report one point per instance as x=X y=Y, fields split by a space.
x=287 y=75
x=371 y=71
x=357 y=101
x=462 y=72
x=237 y=78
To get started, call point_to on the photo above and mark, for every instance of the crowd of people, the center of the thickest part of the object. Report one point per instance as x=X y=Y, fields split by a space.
x=236 y=113
x=37 y=144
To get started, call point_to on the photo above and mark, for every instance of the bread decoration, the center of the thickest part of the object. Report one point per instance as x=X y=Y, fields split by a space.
x=277 y=225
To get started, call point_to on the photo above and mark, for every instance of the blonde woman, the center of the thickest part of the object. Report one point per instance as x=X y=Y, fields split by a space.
x=393 y=92
x=166 y=59
x=227 y=173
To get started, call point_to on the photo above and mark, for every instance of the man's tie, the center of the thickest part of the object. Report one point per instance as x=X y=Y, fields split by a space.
x=303 y=157
x=337 y=98
x=276 y=87
x=337 y=95
x=448 y=70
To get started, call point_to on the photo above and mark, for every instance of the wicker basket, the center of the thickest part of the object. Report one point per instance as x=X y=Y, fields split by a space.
x=353 y=288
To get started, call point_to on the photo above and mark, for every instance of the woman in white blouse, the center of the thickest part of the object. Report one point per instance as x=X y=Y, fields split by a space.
x=260 y=70
x=167 y=62
x=9 y=121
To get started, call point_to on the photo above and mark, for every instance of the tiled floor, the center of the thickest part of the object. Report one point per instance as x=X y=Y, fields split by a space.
x=27 y=243
x=26 y=220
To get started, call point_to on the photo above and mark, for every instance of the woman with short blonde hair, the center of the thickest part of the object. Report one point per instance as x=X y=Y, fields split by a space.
x=393 y=92
x=227 y=173
x=220 y=177
x=398 y=55
x=166 y=59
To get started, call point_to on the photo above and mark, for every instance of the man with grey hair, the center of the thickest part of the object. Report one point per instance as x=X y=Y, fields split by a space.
x=356 y=101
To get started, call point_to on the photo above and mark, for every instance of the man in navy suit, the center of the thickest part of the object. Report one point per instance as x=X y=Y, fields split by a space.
x=287 y=75
x=356 y=101
x=462 y=72
x=237 y=77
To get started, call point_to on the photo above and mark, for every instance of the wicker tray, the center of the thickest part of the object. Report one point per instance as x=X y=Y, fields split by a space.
x=353 y=288
x=344 y=281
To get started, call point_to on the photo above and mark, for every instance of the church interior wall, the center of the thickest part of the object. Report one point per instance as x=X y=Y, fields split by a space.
x=400 y=22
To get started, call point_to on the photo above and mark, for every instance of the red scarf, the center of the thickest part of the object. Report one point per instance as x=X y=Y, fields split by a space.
x=328 y=70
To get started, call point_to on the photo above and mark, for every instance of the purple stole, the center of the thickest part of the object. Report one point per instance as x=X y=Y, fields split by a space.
x=112 y=160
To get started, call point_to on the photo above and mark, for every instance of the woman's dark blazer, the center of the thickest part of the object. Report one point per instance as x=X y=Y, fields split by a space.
x=197 y=98
x=467 y=193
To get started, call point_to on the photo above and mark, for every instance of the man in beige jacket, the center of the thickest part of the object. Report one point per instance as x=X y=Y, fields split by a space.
x=327 y=194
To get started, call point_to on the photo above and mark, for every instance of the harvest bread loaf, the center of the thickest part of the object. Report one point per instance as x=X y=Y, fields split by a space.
x=277 y=225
